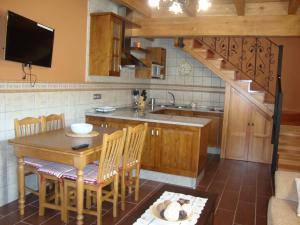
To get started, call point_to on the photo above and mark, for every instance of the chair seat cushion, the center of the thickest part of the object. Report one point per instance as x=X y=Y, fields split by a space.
x=36 y=163
x=90 y=174
x=282 y=212
x=55 y=169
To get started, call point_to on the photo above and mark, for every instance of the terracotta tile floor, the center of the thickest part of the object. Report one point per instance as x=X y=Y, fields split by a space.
x=243 y=189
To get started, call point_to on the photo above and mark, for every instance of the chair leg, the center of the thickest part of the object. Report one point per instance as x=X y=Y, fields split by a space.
x=116 y=195
x=137 y=183
x=130 y=181
x=61 y=200
x=65 y=204
x=56 y=193
x=88 y=199
x=99 y=206
x=42 y=195
x=123 y=190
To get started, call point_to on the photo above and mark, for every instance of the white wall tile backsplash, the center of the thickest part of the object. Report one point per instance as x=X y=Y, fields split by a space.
x=199 y=85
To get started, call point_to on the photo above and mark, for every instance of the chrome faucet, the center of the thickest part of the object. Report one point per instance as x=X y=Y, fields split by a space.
x=173 y=98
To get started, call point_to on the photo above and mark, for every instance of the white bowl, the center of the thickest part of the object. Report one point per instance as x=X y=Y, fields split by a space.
x=81 y=128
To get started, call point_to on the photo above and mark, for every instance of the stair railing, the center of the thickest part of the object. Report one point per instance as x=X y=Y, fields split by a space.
x=277 y=113
x=253 y=58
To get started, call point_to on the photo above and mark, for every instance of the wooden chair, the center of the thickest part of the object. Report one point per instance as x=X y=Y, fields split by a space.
x=49 y=174
x=54 y=122
x=96 y=177
x=25 y=127
x=132 y=161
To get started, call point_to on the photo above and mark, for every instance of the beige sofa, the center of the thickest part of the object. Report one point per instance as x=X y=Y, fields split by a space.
x=282 y=208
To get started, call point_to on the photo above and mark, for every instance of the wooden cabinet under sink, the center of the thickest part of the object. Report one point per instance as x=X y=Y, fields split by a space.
x=215 y=126
x=174 y=149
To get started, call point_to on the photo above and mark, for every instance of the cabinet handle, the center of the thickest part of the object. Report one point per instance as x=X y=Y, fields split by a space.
x=248 y=124
x=106 y=125
x=252 y=124
x=152 y=132
x=102 y=125
x=157 y=133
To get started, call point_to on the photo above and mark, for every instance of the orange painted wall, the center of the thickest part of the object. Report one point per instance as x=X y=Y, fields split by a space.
x=69 y=19
x=290 y=73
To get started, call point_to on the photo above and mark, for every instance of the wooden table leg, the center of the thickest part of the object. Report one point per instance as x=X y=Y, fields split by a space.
x=21 y=183
x=80 y=196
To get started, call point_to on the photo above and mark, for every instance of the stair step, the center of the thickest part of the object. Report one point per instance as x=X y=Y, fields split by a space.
x=289 y=148
x=288 y=166
x=217 y=62
x=189 y=43
x=229 y=73
x=289 y=130
x=289 y=156
x=270 y=106
x=260 y=96
x=245 y=84
x=200 y=51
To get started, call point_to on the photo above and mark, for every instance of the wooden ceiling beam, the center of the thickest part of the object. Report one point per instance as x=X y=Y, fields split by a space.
x=293 y=6
x=287 y=25
x=139 y=6
x=240 y=6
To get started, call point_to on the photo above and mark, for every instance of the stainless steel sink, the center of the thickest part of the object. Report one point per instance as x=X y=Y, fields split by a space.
x=176 y=106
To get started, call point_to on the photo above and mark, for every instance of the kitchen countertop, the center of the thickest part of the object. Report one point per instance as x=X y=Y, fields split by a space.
x=130 y=114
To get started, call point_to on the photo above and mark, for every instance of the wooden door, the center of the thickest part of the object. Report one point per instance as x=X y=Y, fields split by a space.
x=177 y=151
x=260 y=147
x=238 y=127
x=116 y=48
x=152 y=143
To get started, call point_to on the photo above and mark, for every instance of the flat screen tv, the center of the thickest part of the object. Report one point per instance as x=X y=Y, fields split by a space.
x=28 y=42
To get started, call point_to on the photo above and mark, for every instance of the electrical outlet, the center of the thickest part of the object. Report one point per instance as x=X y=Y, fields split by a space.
x=96 y=96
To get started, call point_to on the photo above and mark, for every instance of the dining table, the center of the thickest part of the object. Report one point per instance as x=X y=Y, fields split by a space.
x=56 y=146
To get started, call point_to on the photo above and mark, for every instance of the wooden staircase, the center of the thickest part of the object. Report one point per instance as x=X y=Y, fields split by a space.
x=229 y=74
x=289 y=148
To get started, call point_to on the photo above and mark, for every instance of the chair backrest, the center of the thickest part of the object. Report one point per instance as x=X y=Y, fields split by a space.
x=29 y=126
x=54 y=122
x=111 y=154
x=134 y=145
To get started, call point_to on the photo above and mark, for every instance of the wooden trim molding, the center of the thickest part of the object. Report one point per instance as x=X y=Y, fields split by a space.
x=290 y=118
x=279 y=26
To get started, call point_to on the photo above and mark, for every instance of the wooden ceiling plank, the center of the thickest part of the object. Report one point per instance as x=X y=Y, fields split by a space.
x=139 y=6
x=281 y=26
x=293 y=6
x=191 y=8
x=240 y=6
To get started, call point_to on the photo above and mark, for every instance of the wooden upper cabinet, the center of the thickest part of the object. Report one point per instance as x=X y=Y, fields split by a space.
x=106 y=39
x=154 y=55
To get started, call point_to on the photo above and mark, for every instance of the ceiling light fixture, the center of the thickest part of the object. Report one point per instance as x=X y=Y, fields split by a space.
x=177 y=6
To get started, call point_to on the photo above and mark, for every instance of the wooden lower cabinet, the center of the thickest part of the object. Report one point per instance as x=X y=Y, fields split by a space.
x=174 y=149
x=214 y=127
x=247 y=131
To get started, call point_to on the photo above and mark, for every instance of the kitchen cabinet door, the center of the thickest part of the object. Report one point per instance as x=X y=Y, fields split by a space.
x=260 y=147
x=177 y=151
x=152 y=144
x=237 y=133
